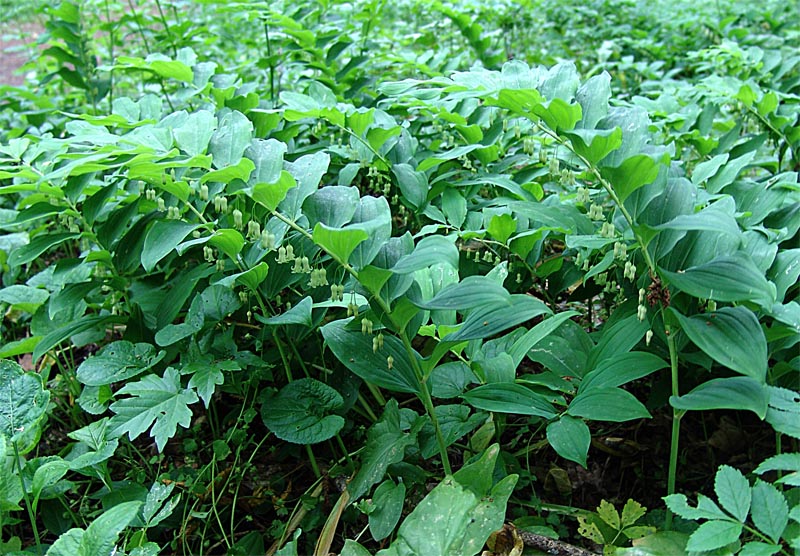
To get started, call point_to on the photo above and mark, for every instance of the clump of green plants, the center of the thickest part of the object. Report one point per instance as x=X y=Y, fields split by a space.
x=384 y=279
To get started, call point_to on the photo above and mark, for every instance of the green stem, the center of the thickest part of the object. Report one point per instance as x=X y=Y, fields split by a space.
x=677 y=415
x=313 y=460
x=28 y=506
x=424 y=393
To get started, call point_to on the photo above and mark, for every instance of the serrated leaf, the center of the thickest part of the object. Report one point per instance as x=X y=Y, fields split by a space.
x=207 y=375
x=714 y=534
x=769 y=510
x=609 y=514
x=570 y=438
x=632 y=512
x=678 y=505
x=733 y=491
x=157 y=402
x=118 y=361
x=300 y=413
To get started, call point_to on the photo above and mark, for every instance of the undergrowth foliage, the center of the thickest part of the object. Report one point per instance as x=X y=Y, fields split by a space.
x=279 y=279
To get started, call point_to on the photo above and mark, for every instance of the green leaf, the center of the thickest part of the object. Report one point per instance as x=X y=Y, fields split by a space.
x=230 y=139
x=457 y=516
x=570 y=438
x=239 y=171
x=23 y=400
x=617 y=339
x=501 y=226
x=706 y=508
x=733 y=491
x=272 y=194
x=354 y=350
x=726 y=278
x=430 y=251
x=267 y=155
x=163 y=237
x=102 y=533
x=228 y=240
x=37 y=246
x=756 y=548
x=559 y=115
x=298 y=314
x=193 y=135
x=388 y=499
x=72 y=328
x=24 y=298
x=633 y=173
x=332 y=206
x=725 y=393
x=526 y=342
x=488 y=320
x=619 y=370
x=595 y=144
x=769 y=511
x=299 y=413
x=154 y=401
x=714 y=534
x=339 y=242
x=632 y=512
x=118 y=361
x=413 y=185
x=207 y=375
x=509 y=397
x=732 y=337
x=607 y=404
x=783 y=462
x=471 y=292
x=386 y=444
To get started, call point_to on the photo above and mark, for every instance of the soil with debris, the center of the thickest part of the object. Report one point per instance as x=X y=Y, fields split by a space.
x=15 y=50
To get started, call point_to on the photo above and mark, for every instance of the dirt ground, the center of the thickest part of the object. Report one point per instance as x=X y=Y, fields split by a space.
x=13 y=50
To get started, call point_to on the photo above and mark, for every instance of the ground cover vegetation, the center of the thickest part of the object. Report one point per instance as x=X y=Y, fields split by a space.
x=388 y=278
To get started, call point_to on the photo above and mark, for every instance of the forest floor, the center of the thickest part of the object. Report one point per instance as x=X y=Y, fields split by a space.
x=14 y=52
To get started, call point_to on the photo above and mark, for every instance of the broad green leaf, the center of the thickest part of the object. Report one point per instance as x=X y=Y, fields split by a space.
x=733 y=491
x=505 y=397
x=47 y=474
x=154 y=510
x=595 y=144
x=272 y=194
x=339 y=242
x=726 y=278
x=230 y=139
x=455 y=421
x=617 y=339
x=377 y=137
x=102 y=533
x=253 y=277
x=300 y=412
x=24 y=298
x=239 y=171
x=332 y=206
x=607 y=404
x=298 y=314
x=72 y=328
x=10 y=487
x=739 y=392
x=471 y=292
x=708 y=168
x=559 y=115
x=228 y=240
x=193 y=135
x=450 y=379
x=714 y=534
x=160 y=403
x=118 y=361
x=386 y=444
x=354 y=351
x=729 y=171
x=388 y=499
x=23 y=400
x=717 y=217
x=619 y=370
x=593 y=97
x=37 y=246
x=429 y=251
x=732 y=337
x=532 y=337
x=267 y=155
x=163 y=237
x=453 y=518
x=756 y=548
x=308 y=171
x=488 y=320
x=570 y=438
x=783 y=462
x=413 y=184
x=501 y=226
x=633 y=173
x=453 y=153
x=769 y=510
